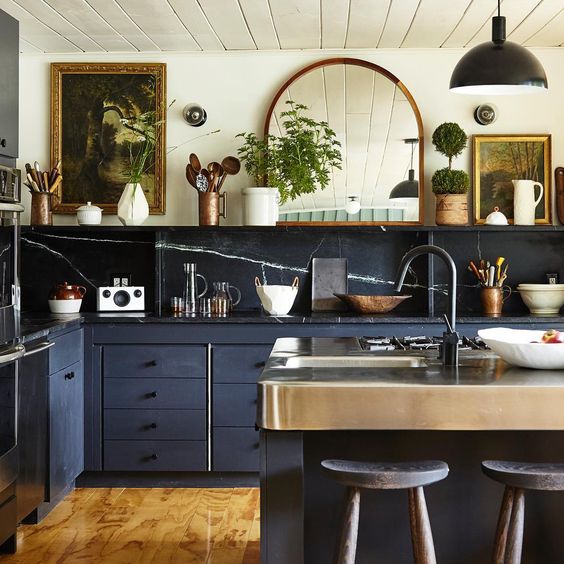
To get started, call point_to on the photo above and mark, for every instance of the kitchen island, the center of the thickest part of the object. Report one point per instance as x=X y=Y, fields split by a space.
x=319 y=398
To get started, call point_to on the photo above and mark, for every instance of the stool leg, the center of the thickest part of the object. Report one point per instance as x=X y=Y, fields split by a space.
x=421 y=535
x=503 y=526
x=346 y=552
x=515 y=535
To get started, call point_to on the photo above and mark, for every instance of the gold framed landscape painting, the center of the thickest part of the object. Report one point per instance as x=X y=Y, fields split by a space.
x=97 y=113
x=499 y=159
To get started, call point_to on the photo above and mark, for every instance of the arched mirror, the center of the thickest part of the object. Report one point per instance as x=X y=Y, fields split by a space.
x=380 y=130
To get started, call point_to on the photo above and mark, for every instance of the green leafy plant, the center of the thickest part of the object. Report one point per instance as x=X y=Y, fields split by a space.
x=299 y=161
x=447 y=181
x=450 y=140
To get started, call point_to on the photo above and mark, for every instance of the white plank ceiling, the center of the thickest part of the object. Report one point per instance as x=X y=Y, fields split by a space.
x=94 y=26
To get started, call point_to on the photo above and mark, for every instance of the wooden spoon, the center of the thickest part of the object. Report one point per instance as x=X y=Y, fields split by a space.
x=191 y=175
x=231 y=166
x=217 y=171
x=195 y=162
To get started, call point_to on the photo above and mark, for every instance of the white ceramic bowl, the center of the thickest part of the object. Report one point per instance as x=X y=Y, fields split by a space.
x=542 y=299
x=65 y=306
x=277 y=299
x=515 y=346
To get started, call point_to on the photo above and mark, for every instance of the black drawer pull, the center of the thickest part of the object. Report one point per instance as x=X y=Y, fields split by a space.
x=256 y=445
x=153 y=425
x=3 y=142
x=260 y=364
x=152 y=363
x=69 y=376
x=152 y=395
x=154 y=456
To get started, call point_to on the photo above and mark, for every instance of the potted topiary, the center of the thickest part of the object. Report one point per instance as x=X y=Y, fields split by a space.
x=450 y=186
x=295 y=163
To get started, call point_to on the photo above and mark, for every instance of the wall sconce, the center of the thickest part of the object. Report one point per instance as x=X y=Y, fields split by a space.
x=485 y=114
x=352 y=206
x=194 y=114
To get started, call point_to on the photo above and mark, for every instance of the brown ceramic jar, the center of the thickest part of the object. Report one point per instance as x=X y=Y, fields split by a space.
x=66 y=291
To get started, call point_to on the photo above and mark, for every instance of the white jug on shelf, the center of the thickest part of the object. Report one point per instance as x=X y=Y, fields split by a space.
x=524 y=203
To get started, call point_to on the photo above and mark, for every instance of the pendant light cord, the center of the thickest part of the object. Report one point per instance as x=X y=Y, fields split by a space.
x=412 y=147
x=498 y=8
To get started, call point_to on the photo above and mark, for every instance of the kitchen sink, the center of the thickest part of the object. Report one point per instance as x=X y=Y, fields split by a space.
x=355 y=362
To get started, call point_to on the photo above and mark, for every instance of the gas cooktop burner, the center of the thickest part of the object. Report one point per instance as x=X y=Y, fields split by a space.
x=420 y=343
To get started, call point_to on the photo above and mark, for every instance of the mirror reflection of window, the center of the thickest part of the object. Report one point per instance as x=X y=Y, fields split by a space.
x=373 y=116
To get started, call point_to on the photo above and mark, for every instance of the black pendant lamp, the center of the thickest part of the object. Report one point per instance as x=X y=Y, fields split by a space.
x=407 y=188
x=498 y=67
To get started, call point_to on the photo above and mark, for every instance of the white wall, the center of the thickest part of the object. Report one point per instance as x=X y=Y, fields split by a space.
x=236 y=88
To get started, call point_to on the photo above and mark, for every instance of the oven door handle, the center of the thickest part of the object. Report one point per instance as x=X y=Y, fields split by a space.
x=13 y=354
x=41 y=347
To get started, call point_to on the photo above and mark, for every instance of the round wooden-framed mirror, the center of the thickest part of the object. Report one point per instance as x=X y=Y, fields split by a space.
x=379 y=126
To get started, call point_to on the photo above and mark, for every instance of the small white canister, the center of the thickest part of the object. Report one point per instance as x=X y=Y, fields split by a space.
x=89 y=214
x=260 y=206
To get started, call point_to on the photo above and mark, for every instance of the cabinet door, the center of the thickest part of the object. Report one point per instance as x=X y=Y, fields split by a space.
x=235 y=449
x=239 y=363
x=9 y=69
x=66 y=428
x=32 y=441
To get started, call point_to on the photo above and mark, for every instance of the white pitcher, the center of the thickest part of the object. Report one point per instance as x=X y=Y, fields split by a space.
x=524 y=203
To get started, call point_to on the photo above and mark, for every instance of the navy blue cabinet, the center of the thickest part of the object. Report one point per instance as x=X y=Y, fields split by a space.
x=66 y=429
x=236 y=369
x=154 y=399
x=9 y=73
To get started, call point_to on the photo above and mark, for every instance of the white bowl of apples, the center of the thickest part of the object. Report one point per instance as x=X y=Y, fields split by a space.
x=543 y=350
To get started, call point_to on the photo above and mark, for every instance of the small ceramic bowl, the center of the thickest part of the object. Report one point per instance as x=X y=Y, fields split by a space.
x=64 y=306
x=277 y=299
x=542 y=299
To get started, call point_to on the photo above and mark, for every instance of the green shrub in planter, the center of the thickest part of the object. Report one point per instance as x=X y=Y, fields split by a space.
x=447 y=181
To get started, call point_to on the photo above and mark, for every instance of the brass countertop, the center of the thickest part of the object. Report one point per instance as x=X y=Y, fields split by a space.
x=482 y=393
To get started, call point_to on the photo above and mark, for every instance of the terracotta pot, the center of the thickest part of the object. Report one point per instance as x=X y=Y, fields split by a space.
x=66 y=291
x=452 y=209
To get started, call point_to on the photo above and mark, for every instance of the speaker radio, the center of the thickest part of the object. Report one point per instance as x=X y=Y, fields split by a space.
x=121 y=298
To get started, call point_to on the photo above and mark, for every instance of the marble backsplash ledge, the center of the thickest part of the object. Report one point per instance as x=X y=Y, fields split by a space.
x=276 y=257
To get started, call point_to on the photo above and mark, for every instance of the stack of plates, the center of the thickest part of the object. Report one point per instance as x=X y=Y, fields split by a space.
x=542 y=299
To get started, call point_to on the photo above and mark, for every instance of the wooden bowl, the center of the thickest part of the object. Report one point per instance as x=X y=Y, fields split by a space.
x=371 y=304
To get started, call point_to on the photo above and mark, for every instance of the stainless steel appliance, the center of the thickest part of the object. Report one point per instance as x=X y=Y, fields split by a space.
x=10 y=350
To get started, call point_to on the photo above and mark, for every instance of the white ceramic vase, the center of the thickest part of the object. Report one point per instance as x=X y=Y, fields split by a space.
x=132 y=208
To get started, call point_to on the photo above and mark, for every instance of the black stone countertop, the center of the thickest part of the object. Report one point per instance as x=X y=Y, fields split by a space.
x=35 y=325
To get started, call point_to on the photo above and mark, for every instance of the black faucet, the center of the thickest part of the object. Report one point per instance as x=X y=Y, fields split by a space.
x=449 y=348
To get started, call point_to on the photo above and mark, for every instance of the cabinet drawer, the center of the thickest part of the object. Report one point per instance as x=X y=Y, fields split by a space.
x=162 y=361
x=155 y=455
x=234 y=405
x=67 y=351
x=155 y=393
x=155 y=424
x=236 y=450
x=239 y=363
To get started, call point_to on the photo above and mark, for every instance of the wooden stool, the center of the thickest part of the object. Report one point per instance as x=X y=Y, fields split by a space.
x=517 y=477
x=411 y=476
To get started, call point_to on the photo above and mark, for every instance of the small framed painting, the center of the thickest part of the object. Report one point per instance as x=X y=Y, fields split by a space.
x=104 y=118
x=499 y=159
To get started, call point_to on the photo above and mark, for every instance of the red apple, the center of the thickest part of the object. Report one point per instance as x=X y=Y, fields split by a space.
x=552 y=336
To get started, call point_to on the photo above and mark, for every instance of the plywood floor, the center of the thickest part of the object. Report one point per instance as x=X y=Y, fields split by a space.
x=142 y=526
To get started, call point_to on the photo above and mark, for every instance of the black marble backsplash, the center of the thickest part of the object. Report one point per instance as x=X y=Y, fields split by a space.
x=154 y=258
x=85 y=258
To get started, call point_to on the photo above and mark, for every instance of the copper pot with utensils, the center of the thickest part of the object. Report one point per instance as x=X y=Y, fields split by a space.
x=492 y=299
